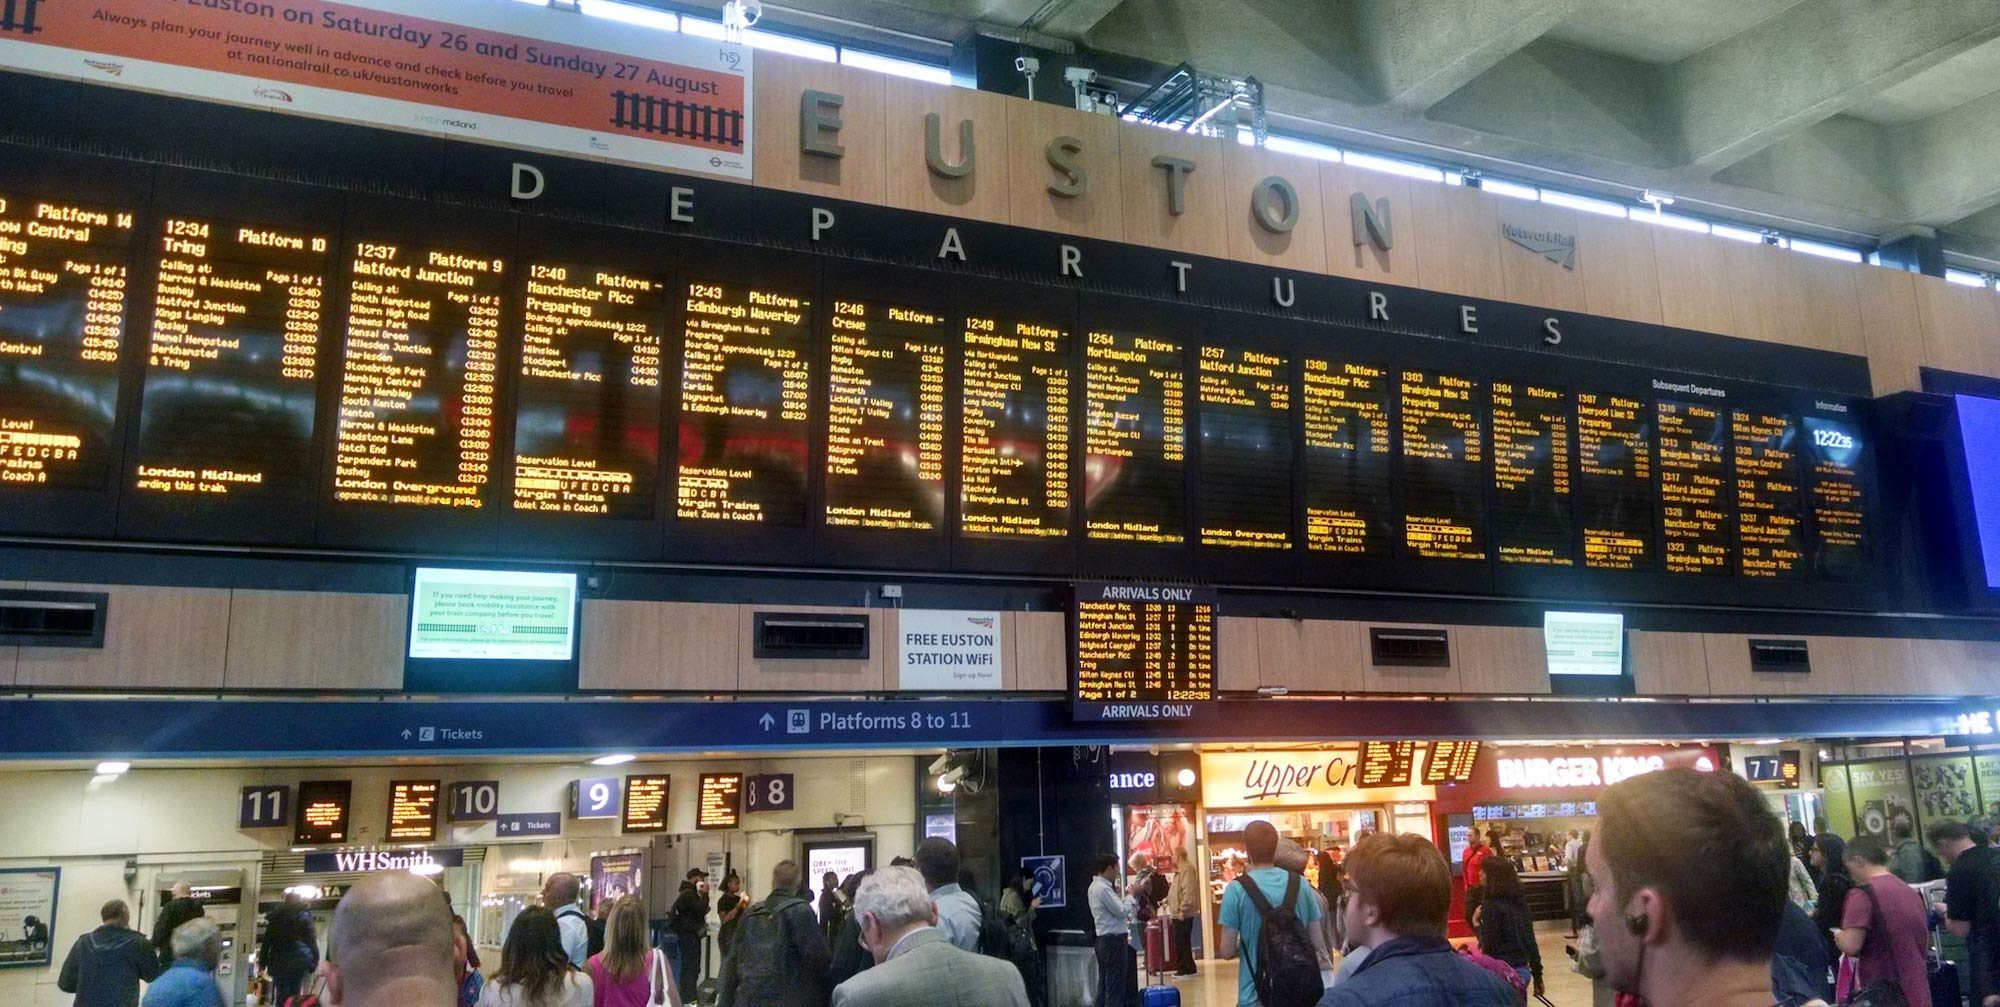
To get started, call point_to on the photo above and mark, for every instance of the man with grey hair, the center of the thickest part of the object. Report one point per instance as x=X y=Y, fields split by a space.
x=559 y=896
x=197 y=948
x=391 y=945
x=917 y=966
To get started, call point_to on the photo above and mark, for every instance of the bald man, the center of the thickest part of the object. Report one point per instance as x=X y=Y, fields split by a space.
x=178 y=910
x=391 y=945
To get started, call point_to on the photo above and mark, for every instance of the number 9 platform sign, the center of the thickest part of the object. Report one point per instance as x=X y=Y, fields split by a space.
x=770 y=792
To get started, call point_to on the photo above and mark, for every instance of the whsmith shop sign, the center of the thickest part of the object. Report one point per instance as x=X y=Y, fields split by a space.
x=371 y=861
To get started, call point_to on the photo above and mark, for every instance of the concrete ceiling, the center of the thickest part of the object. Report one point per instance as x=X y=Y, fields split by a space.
x=1858 y=117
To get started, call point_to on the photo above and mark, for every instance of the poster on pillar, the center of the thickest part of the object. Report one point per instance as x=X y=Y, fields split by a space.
x=28 y=915
x=516 y=74
x=616 y=875
x=948 y=651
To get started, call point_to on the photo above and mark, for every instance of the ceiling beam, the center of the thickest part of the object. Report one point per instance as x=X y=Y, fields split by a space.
x=1070 y=19
x=1944 y=163
x=1422 y=51
x=1807 y=64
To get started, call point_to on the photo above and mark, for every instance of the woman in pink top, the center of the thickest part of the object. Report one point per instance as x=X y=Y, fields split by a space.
x=627 y=973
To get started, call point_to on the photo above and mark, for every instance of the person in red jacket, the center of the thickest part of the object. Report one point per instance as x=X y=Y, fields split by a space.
x=1475 y=890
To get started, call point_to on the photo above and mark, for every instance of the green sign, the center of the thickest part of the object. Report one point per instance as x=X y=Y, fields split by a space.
x=493 y=615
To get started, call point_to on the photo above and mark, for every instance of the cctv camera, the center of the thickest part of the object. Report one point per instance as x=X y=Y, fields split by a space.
x=943 y=762
x=1027 y=64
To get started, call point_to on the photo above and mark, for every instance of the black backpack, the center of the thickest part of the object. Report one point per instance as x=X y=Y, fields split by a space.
x=994 y=941
x=592 y=927
x=1286 y=969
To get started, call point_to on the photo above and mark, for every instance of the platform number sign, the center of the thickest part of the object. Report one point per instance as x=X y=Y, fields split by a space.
x=265 y=808
x=474 y=801
x=771 y=792
x=596 y=798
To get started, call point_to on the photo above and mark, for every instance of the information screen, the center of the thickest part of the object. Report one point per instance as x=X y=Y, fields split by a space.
x=1584 y=643
x=1694 y=487
x=1979 y=438
x=1834 y=448
x=493 y=615
x=645 y=808
x=1347 y=458
x=324 y=807
x=721 y=804
x=1450 y=762
x=1531 y=475
x=587 y=409
x=63 y=308
x=1142 y=652
x=1245 y=489
x=1444 y=467
x=1614 y=481
x=885 y=418
x=418 y=376
x=231 y=374
x=745 y=431
x=1386 y=764
x=1768 y=527
x=413 y=811
x=1135 y=433
x=1014 y=426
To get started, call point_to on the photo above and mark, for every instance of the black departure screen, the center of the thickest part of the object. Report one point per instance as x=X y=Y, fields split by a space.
x=1444 y=467
x=1015 y=428
x=885 y=421
x=746 y=366
x=1531 y=475
x=1246 y=449
x=1614 y=451
x=1771 y=542
x=1694 y=486
x=418 y=376
x=232 y=364
x=1142 y=651
x=63 y=305
x=1135 y=409
x=587 y=411
x=1347 y=458
x=1834 y=449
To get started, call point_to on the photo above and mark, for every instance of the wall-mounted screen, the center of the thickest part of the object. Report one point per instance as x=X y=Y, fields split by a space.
x=324 y=811
x=1979 y=437
x=1584 y=644
x=493 y=631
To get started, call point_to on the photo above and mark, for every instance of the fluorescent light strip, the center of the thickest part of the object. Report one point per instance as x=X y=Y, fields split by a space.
x=1737 y=234
x=1964 y=278
x=645 y=17
x=1390 y=165
x=1673 y=220
x=897 y=67
x=1603 y=207
x=1825 y=251
x=1517 y=191
x=701 y=29
x=1303 y=148
x=790 y=46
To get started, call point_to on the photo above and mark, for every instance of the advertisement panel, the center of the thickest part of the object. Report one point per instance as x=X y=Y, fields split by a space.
x=616 y=875
x=27 y=915
x=505 y=73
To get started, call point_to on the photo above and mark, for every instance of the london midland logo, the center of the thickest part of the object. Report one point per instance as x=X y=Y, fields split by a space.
x=18 y=16
x=1554 y=246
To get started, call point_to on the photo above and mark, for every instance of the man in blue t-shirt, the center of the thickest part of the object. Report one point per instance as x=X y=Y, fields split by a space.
x=1240 y=919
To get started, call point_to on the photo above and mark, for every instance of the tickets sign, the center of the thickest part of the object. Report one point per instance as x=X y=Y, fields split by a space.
x=503 y=73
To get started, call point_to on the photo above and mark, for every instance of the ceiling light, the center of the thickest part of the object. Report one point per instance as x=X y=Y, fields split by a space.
x=113 y=768
x=613 y=760
x=1185 y=776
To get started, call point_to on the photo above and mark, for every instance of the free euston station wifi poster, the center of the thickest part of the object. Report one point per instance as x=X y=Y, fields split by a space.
x=492 y=631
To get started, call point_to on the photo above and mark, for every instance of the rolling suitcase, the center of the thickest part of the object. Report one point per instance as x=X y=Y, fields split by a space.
x=1944 y=985
x=1159 y=996
x=1159 y=960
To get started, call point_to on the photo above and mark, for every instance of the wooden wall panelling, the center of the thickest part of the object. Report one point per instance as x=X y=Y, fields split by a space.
x=1792 y=299
x=1428 y=681
x=1100 y=211
x=1695 y=287
x=1891 y=331
x=1668 y=664
x=1203 y=226
x=1621 y=277
x=1311 y=655
x=659 y=646
x=1458 y=233
x=1338 y=183
x=1958 y=668
x=154 y=638
x=1304 y=246
x=1527 y=276
x=1829 y=298
x=1503 y=660
x=315 y=640
x=1041 y=652
x=860 y=173
x=1841 y=666
x=1961 y=326
x=1237 y=664
x=980 y=195
x=871 y=675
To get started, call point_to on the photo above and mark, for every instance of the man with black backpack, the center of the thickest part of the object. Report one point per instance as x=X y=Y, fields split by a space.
x=581 y=935
x=779 y=956
x=1267 y=919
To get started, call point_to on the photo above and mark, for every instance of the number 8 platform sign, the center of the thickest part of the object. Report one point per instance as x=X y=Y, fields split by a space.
x=771 y=792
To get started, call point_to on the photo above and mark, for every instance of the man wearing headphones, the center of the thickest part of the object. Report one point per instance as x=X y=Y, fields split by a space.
x=1690 y=873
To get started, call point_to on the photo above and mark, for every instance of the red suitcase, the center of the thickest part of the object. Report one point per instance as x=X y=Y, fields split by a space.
x=1159 y=953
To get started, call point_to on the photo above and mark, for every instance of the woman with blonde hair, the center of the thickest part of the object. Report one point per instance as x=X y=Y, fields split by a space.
x=628 y=973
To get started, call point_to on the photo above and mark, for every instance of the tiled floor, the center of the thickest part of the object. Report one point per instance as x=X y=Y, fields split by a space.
x=1215 y=986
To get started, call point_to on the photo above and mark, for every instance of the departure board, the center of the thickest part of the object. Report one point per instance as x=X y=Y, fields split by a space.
x=1347 y=458
x=1245 y=400
x=63 y=308
x=1386 y=763
x=645 y=807
x=413 y=811
x=587 y=409
x=1694 y=486
x=1450 y=762
x=1834 y=448
x=720 y=801
x=746 y=367
x=1531 y=475
x=418 y=376
x=323 y=810
x=1014 y=426
x=1770 y=539
x=1135 y=434
x=1142 y=651
x=231 y=378
x=1444 y=467
x=1614 y=481
x=885 y=418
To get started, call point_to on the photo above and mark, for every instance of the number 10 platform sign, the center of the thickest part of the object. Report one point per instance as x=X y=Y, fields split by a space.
x=503 y=73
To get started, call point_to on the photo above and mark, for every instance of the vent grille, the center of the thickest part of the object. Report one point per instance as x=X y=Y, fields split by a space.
x=1409 y=648
x=1784 y=657
x=53 y=618
x=798 y=636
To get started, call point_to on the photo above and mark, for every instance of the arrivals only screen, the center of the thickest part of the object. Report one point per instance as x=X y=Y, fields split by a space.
x=493 y=615
x=1142 y=651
